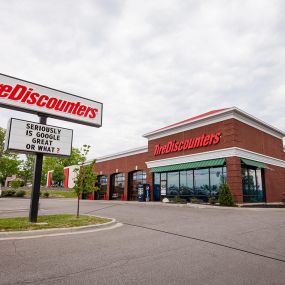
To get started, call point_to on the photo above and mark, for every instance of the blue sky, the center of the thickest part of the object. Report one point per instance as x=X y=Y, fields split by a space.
x=151 y=63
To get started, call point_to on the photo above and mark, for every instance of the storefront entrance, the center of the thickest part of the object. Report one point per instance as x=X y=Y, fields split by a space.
x=117 y=185
x=135 y=178
x=253 y=184
x=102 y=185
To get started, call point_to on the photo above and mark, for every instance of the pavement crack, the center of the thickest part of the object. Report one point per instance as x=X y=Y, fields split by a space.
x=67 y=275
x=208 y=242
x=16 y=252
x=100 y=209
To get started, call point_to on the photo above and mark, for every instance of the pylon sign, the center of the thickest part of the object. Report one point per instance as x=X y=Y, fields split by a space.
x=29 y=97
x=42 y=139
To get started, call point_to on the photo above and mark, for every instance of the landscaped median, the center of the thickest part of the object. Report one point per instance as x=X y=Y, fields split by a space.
x=50 y=222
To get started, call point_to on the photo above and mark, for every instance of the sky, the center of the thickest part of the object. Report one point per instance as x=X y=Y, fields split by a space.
x=151 y=63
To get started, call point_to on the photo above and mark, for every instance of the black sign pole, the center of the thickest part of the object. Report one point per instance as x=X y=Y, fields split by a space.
x=34 y=205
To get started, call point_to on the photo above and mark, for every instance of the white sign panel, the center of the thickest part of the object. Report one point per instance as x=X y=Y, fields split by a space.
x=28 y=137
x=29 y=97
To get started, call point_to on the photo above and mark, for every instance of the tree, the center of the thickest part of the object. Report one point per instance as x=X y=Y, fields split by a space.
x=86 y=178
x=9 y=162
x=51 y=162
x=58 y=174
x=225 y=196
x=2 y=140
x=76 y=157
x=27 y=168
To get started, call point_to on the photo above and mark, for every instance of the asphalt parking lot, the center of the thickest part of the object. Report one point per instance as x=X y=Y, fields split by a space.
x=156 y=244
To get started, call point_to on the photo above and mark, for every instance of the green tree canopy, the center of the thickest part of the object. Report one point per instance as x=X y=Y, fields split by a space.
x=9 y=162
x=85 y=181
x=58 y=174
x=27 y=168
x=51 y=162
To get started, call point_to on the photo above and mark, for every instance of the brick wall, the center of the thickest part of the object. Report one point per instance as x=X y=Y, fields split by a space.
x=233 y=134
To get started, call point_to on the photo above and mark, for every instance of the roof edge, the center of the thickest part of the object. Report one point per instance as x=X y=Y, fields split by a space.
x=228 y=111
x=128 y=152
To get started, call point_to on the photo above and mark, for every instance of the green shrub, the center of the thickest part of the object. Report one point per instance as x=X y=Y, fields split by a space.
x=8 y=193
x=176 y=199
x=212 y=200
x=195 y=200
x=16 y=184
x=20 y=193
x=225 y=196
x=46 y=194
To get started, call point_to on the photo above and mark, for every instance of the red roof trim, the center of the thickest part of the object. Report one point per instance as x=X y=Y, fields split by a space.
x=192 y=119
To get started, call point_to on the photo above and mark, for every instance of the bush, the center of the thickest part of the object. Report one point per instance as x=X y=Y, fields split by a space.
x=46 y=194
x=16 y=184
x=194 y=200
x=176 y=199
x=212 y=200
x=20 y=193
x=225 y=196
x=8 y=193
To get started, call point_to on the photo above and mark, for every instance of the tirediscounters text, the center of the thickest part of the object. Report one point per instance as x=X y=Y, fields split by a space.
x=33 y=98
x=26 y=136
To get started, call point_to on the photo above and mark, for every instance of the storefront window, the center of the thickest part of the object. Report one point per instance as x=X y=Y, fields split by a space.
x=157 y=178
x=172 y=184
x=156 y=187
x=186 y=183
x=201 y=183
x=253 y=190
x=216 y=179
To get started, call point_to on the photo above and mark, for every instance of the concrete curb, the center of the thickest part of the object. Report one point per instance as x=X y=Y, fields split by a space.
x=186 y=205
x=47 y=232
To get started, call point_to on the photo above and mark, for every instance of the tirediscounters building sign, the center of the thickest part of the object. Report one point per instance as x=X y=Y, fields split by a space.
x=29 y=97
x=28 y=137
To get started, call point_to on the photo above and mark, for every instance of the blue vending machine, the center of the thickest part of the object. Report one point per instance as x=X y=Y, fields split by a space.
x=141 y=193
x=147 y=192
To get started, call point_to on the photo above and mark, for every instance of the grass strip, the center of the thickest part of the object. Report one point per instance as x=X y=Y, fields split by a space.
x=53 y=221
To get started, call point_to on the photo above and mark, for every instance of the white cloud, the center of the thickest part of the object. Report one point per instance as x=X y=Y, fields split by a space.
x=151 y=63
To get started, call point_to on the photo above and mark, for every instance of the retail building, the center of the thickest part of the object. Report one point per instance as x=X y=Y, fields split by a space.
x=192 y=158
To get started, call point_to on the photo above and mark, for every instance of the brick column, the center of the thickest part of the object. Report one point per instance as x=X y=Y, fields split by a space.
x=149 y=180
x=234 y=178
x=108 y=186
x=126 y=186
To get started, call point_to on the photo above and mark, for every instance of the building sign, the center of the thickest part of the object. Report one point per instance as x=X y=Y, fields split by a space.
x=29 y=97
x=28 y=137
x=174 y=146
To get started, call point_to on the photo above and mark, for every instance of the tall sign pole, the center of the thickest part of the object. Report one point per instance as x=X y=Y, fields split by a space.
x=34 y=205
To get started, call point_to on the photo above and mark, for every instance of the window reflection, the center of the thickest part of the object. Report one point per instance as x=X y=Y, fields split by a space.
x=217 y=178
x=252 y=185
x=172 y=184
x=201 y=183
x=186 y=183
